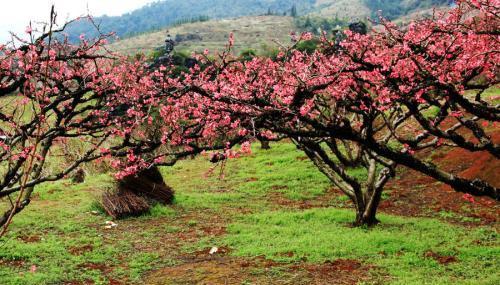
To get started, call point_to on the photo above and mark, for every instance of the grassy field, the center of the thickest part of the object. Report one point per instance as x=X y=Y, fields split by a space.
x=274 y=218
x=343 y=9
x=256 y=32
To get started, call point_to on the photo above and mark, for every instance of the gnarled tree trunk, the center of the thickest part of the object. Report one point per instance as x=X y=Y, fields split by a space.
x=365 y=193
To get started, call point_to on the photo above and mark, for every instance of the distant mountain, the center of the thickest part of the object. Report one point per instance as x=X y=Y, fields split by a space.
x=168 y=12
x=164 y=13
x=256 y=33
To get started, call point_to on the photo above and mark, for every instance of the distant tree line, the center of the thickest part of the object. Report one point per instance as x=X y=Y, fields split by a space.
x=177 y=23
x=191 y=20
x=317 y=25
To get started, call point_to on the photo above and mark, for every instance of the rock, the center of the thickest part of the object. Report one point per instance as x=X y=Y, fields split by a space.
x=213 y=250
x=109 y=225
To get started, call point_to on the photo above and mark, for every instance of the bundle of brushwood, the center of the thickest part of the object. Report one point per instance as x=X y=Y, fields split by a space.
x=148 y=184
x=136 y=194
x=123 y=204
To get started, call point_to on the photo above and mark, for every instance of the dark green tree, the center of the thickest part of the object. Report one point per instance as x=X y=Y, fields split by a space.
x=293 y=11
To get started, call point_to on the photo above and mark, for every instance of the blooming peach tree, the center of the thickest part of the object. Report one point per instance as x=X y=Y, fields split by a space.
x=367 y=102
x=54 y=94
x=371 y=101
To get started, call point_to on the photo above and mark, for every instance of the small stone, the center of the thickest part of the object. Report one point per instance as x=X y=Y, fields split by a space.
x=111 y=224
x=213 y=250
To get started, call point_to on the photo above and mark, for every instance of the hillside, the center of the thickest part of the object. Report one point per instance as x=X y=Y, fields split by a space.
x=171 y=12
x=250 y=32
x=351 y=9
x=167 y=12
x=255 y=32
x=394 y=9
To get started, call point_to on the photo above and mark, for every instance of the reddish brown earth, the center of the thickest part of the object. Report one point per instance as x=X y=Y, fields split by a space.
x=13 y=263
x=30 y=238
x=79 y=250
x=442 y=259
x=205 y=269
x=88 y=282
x=415 y=194
x=340 y=271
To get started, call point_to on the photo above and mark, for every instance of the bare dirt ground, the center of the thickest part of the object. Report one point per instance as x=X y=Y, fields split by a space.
x=204 y=269
x=415 y=194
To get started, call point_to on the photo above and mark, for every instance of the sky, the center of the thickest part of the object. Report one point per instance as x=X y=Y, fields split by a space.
x=15 y=15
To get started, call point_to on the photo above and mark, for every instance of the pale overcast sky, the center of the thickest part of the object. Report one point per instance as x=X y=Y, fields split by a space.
x=15 y=15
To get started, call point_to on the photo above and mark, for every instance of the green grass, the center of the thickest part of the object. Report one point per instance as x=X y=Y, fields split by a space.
x=247 y=179
x=398 y=245
x=492 y=94
x=61 y=219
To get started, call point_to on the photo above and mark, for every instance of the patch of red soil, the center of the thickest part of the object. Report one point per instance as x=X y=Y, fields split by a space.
x=442 y=259
x=205 y=253
x=115 y=282
x=473 y=165
x=95 y=266
x=230 y=270
x=412 y=197
x=79 y=250
x=12 y=263
x=340 y=271
x=86 y=282
x=417 y=195
x=214 y=230
x=252 y=179
x=30 y=238
x=345 y=264
x=104 y=269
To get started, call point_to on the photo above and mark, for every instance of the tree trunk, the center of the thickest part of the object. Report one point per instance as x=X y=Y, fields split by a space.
x=366 y=218
x=264 y=144
x=4 y=219
x=365 y=194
